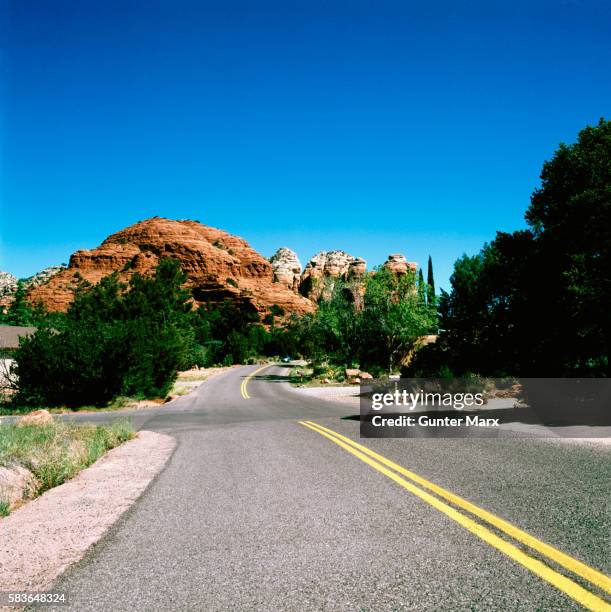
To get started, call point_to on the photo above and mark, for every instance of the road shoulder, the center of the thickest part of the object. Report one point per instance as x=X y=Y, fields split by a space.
x=41 y=539
x=340 y=395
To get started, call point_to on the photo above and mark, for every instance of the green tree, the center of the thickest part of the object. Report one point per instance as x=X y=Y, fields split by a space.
x=430 y=284
x=537 y=302
x=570 y=217
x=393 y=318
x=116 y=339
x=421 y=287
x=230 y=332
x=20 y=312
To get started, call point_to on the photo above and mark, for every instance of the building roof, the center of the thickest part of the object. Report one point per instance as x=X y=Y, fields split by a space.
x=10 y=334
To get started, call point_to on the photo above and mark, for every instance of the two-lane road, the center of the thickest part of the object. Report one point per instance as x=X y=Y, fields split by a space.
x=262 y=508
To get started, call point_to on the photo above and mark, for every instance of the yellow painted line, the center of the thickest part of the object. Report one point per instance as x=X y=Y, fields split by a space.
x=573 y=565
x=246 y=380
x=564 y=584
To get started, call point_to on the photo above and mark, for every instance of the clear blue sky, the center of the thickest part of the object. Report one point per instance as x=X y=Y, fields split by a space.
x=375 y=127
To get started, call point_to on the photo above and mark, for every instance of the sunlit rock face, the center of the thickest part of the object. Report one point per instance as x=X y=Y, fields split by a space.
x=399 y=265
x=8 y=284
x=323 y=270
x=217 y=264
x=286 y=268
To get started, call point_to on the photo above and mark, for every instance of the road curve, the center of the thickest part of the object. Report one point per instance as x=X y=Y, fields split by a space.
x=256 y=511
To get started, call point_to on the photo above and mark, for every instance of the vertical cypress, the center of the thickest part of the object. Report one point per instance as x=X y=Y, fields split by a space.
x=421 y=288
x=430 y=281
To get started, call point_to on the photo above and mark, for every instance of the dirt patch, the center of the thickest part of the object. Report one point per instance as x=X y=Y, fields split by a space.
x=189 y=380
x=42 y=538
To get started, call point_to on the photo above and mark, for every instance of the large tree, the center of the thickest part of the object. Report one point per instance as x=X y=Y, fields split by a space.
x=537 y=302
x=393 y=318
x=570 y=217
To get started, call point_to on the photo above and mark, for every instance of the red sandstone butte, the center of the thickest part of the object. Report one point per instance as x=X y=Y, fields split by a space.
x=218 y=265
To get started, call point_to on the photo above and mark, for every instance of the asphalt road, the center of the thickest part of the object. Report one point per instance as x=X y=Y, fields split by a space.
x=257 y=511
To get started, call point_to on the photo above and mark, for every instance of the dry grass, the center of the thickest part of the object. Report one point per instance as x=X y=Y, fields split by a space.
x=201 y=374
x=56 y=452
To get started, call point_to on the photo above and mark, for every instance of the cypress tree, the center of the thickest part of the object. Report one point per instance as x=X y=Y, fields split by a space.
x=421 y=289
x=430 y=281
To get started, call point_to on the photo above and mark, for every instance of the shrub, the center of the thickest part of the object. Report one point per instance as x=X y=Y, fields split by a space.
x=116 y=340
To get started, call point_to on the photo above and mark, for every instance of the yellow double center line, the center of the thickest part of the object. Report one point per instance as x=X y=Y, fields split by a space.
x=397 y=473
x=246 y=380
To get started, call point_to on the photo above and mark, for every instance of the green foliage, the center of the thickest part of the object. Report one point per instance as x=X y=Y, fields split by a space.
x=430 y=285
x=115 y=340
x=21 y=312
x=58 y=451
x=537 y=302
x=376 y=336
x=421 y=287
x=230 y=332
x=393 y=318
x=276 y=311
x=225 y=332
x=333 y=330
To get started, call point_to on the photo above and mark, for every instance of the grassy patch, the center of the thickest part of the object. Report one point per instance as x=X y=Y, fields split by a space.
x=318 y=375
x=300 y=376
x=56 y=452
x=119 y=403
x=5 y=509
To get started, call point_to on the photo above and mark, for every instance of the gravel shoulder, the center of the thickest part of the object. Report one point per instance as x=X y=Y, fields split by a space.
x=341 y=395
x=41 y=539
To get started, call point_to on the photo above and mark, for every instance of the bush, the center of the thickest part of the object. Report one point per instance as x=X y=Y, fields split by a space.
x=116 y=340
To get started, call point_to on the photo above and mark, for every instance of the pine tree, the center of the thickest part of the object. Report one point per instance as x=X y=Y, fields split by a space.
x=430 y=281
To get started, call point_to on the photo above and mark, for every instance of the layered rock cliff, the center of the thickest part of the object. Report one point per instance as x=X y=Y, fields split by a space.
x=323 y=270
x=8 y=283
x=218 y=266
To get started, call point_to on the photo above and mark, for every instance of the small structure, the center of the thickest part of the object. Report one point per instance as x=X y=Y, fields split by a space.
x=9 y=339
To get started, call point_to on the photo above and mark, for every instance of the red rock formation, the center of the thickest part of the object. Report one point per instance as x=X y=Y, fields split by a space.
x=399 y=265
x=218 y=266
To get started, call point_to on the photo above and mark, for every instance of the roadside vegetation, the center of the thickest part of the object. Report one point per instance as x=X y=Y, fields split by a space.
x=118 y=343
x=56 y=451
x=374 y=331
x=535 y=302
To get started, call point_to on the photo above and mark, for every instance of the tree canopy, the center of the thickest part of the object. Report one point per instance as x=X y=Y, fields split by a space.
x=537 y=302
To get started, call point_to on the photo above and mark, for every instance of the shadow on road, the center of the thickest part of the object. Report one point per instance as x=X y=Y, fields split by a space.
x=270 y=378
